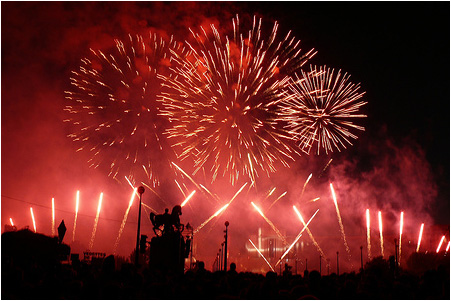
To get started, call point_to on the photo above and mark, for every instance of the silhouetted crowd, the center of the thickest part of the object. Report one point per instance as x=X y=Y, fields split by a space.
x=35 y=277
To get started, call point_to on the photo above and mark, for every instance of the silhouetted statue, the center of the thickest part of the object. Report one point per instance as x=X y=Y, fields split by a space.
x=61 y=231
x=169 y=222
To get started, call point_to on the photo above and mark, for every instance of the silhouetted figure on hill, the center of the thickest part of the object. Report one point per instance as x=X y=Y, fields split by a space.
x=61 y=231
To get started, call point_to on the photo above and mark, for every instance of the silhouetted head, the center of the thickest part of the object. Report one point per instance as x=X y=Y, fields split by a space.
x=177 y=210
x=233 y=266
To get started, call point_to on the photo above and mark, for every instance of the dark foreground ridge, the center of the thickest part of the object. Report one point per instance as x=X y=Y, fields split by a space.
x=32 y=269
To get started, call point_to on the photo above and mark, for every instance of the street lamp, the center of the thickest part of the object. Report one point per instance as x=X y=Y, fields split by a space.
x=140 y=191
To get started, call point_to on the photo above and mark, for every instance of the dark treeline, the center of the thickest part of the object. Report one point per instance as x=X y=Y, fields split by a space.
x=28 y=274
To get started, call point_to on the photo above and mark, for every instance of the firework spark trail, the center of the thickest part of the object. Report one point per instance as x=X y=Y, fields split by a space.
x=11 y=221
x=420 y=236
x=211 y=217
x=32 y=217
x=77 y=201
x=324 y=169
x=314 y=200
x=401 y=225
x=321 y=108
x=305 y=184
x=199 y=186
x=53 y=217
x=339 y=220
x=447 y=247
x=222 y=209
x=261 y=255
x=124 y=219
x=368 y=233
x=379 y=215
x=188 y=198
x=114 y=109
x=297 y=238
x=281 y=196
x=440 y=244
x=271 y=224
x=91 y=242
x=220 y=101
x=309 y=232
x=148 y=207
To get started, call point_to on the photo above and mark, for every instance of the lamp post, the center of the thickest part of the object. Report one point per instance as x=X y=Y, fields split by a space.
x=140 y=191
x=225 y=246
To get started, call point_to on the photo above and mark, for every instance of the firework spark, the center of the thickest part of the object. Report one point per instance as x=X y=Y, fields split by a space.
x=53 y=217
x=91 y=242
x=296 y=239
x=440 y=244
x=77 y=201
x=113 y=107
x=261 y=255
x=420 y=236
x=379 y=215
x=305 y=184
x=271 y=224
x=221 y=96
x=11 y=221
x=188 y=198
x=309 y=232
x=339 y=219
x=34 y=221
x=401 y=225
x=320 y=109
x=281 y=196
x=447 y=247
x=124 y=219
x=368 y=233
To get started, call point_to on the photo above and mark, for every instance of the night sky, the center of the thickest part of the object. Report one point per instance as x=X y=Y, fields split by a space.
x=398 y=51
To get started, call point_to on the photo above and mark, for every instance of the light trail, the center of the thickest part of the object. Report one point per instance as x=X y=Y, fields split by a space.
x=32 y=217
x=124 y=220
x=420 y=236
x=281 y=196
x=440 y=243
x=188 y=198
x=199 y=186
x=11 y=221
x=368 y=233
x=211 y=217
x=53 y=216
x=91 y=242
x=261 y=255
x=447 y=247
x=401 y=225
x=151 y=209
x=379 y=215
x=77 y=201
x=314 y=200
x=309 y=232
x=271 y=224
x=339 y=220
x=220 y=210
x=305 y=184
x=297 y=238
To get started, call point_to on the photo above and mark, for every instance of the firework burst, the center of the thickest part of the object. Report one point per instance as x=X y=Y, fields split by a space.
x=113 y=107
x=320 y=110
x=220 y=99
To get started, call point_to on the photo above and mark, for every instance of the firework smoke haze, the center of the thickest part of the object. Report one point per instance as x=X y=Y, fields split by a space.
x=221 y=96
x=321 y=110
